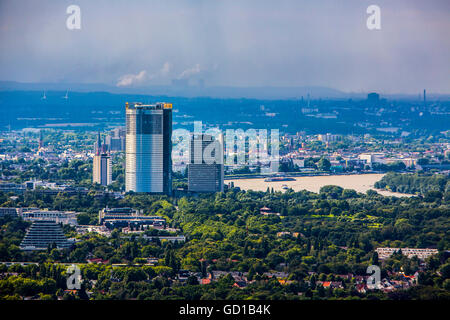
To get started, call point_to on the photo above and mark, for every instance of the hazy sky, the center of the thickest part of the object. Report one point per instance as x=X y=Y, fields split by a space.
x=230 y=43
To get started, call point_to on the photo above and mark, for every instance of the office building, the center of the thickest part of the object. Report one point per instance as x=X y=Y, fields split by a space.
x=102 y=168
x=384 y=253
x=371 y=158
x=115 y=213
x=122 y=217
x=115 y=141
x=328 y=137
x=13 y=212
x=35 y=214
x=148 y=165
x=205 y=168
x=12 y=187
x=42 y=234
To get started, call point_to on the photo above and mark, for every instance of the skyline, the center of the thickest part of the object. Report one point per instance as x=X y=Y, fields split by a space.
x=211 y=158
x=232 y=44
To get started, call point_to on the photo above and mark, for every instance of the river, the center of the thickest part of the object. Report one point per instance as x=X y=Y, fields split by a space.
x=358 y=182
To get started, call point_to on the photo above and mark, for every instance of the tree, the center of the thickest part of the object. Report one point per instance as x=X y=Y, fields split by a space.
x=192 y=280
x=324 y=164
x=374 y=259
x=171 y=260
x=83 y=219
x=445 y=271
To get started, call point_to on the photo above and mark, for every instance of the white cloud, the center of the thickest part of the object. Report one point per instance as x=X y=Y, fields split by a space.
x=132 y=79
x=190 y=72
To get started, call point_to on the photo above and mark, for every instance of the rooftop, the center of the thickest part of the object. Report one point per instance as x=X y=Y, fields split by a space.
x=156 y=106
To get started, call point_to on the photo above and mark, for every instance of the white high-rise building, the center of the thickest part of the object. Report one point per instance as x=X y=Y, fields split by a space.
x=102 y=169
x=148 y=148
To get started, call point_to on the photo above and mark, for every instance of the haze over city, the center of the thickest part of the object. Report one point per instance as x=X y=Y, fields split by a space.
x=129 y=44
x=268 y=156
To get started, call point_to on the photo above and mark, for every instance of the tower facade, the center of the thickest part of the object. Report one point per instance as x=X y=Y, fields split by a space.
x=148 y=148
x=205 y=168
x=102 y=168
x=115 y=141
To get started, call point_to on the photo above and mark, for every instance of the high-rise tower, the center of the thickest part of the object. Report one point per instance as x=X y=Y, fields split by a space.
x=205 y=168
x=148 y=148
x=102 y=168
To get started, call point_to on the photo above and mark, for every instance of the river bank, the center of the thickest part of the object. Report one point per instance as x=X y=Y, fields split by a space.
x=357 y=182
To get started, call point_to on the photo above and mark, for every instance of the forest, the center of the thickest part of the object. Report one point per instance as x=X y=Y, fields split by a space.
x=329 y=236
x=416 y=183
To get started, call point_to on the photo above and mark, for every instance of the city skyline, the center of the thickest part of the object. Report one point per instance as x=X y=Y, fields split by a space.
x=235 y=152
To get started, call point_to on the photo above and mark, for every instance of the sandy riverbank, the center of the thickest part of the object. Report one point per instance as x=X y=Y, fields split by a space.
x=358 y=182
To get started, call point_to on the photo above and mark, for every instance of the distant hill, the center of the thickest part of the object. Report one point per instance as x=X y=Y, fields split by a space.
x=20 y=109
x=223 y=92
x=99 y=106
x=188 y=91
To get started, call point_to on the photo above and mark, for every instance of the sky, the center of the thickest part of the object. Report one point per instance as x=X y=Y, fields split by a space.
x=245 y=43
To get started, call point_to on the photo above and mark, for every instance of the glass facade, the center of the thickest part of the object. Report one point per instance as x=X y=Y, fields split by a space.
x=148 y=148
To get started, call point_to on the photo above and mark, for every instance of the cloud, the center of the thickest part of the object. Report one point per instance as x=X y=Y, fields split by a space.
x=299 y=43
x=165 y=70
x=190 y=72
x=162 y=73
x=132 y=79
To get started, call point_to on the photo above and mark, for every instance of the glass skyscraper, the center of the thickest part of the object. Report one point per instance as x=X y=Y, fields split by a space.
x=148 y=165
x=205 y=175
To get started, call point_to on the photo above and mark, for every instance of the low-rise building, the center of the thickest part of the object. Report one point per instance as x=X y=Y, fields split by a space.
x=384 y=253
x=265 y=211
x=44 y=234
x=168 y=238
x=123 y=217
x=64 y=217
x=10 y=212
